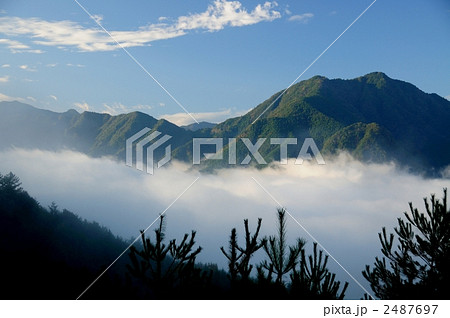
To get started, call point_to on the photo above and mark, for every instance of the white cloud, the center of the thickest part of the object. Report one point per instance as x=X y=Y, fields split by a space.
x=114 y=109
x=27 y=68
x=302 y=18
x=447 y=97
x=52 y=65
x=54 y=97
x=6 y=98
x=12 y=44
x=31 y=98
x=28 y=51
x=75 y=65
x=64 y=34
x=18 y=47
x=6 y=65
x=344 y=203
x=181 y=119
x=4 y=79
x=83 y=106
x=228 y=13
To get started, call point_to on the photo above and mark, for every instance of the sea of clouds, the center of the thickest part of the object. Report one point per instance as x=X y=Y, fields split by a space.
x=342 y=204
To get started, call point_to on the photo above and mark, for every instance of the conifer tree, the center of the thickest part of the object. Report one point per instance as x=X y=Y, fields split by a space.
x=163 y=267
x=53 y=208
x=281 y=261
x=420 y=266
x=313 y=279
x=252 y=245
x=239 y=265
x=10 y=183
x=233 y=256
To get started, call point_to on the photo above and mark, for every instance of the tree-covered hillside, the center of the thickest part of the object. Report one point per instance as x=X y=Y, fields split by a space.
x=373 y=117
x=48 y=253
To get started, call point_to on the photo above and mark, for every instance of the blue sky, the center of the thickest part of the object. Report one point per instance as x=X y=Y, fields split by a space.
x=217 y=58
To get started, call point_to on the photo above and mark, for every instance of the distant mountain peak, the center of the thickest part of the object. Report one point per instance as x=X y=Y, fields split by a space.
x=317 y=78
x=377 y=74
x=198 y=126
x=379 y=79
x=72 y=111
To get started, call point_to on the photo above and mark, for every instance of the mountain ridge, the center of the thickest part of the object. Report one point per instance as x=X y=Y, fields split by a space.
x=373 y=117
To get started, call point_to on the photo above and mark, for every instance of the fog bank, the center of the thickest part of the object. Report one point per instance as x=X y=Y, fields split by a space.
x=343 y=204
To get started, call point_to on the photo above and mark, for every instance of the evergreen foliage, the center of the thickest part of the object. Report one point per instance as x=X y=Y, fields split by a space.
x=239 y=265
x=281 y=261
x=313 y=279
x=52 y=253
x=419 y=268
x=166 y=268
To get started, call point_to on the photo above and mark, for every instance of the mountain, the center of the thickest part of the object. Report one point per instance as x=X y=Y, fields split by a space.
x=24 y=126
x=92 y=133
x=367 y=142
x=373 y=117
x=197 y=126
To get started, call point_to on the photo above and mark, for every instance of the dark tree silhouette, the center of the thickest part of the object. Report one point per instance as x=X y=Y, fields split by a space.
x=239 y=266
x=164 y=267
x=280 y=261
x=55 y=249
x=233 y=256
x=252 y=245
x=313 y=279
x=10 y=183
x=420 y=267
